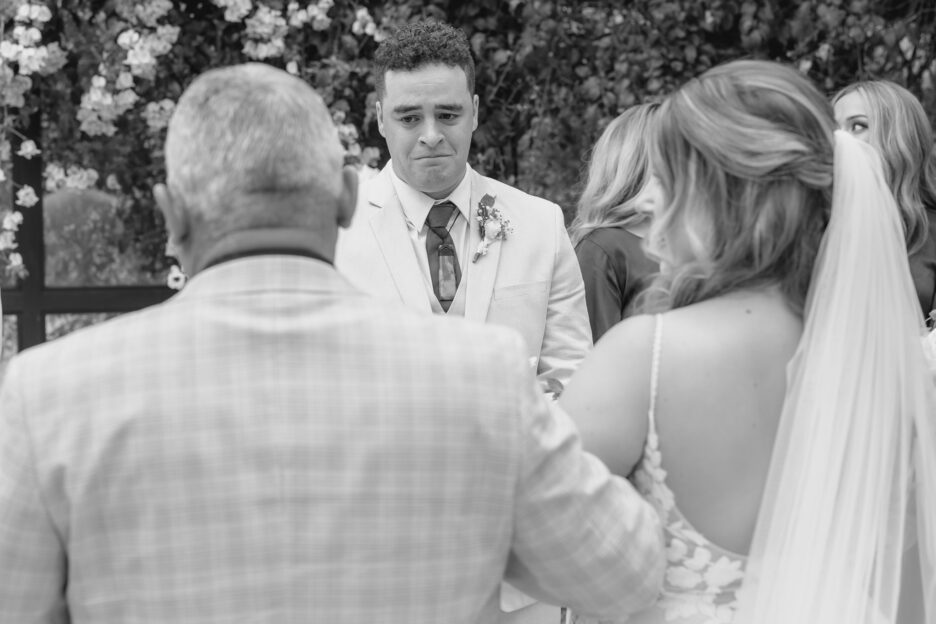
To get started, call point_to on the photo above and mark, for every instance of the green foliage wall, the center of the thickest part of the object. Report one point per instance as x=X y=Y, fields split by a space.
x=551 y=75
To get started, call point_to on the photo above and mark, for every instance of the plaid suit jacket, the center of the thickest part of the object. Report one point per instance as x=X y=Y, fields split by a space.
x=271 y=445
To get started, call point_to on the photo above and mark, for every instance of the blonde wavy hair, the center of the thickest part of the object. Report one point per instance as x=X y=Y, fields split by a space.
x=901 y=132
x=744 y=154
x=618 y=171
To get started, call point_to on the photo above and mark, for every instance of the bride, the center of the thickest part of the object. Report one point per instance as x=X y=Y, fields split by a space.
x=777 y=408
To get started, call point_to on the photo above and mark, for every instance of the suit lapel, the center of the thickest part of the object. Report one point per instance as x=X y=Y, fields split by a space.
x=480 y=275
x=394 y=243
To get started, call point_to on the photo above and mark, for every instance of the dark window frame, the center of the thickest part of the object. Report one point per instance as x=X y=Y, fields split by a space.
x=30 y=301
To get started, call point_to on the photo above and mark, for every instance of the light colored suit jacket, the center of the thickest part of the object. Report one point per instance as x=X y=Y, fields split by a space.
x=530 y=282
x=272 y=446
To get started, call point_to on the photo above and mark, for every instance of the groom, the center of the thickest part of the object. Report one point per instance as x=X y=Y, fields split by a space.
x=417 y=237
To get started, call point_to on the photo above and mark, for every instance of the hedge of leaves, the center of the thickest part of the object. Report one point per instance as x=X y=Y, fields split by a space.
x=105 y=74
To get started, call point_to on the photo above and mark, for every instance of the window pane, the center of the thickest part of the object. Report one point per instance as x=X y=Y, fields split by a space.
x=58 y=325
x=88 y=242
x=9 y=341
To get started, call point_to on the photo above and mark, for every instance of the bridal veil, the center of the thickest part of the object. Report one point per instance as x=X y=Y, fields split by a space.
x=852 y=482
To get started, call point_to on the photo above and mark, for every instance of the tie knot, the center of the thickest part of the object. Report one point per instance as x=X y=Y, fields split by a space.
x=440 y=214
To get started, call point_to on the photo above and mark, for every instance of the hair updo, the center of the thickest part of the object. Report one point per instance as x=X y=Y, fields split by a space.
x=744 y=154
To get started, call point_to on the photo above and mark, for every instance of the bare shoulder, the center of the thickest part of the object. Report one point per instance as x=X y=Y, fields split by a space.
x=608 y=397
x=744 y=325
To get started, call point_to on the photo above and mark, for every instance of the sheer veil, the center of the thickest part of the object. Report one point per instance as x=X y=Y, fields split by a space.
x=856 y=439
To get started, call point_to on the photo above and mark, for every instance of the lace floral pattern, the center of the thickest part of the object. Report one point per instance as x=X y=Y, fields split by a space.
x=701 y=579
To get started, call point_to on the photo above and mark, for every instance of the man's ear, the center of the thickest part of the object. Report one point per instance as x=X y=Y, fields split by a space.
x=380 y=123
x=178 y=227
x=474 y=113
x=347 y=202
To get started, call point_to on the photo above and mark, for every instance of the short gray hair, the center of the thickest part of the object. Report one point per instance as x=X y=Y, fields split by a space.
x=247 y=130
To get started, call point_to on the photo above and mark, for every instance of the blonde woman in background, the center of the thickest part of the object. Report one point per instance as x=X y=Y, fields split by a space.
x=891 y=119
x=613 y=217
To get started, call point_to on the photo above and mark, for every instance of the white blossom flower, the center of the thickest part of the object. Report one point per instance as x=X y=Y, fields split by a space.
x=165 y=38
x=40 y=13
x=26 y=197
x=265 y=23
x=92 y=125
x=261 y=50
x=176 y=278
x=32 y=60
x=33 y=12
x=54 y=177
x=347 y=133
x=235 y=10
x=111 y=183
x=492 y=229
x=10 y=50
x=14 y=92
x=22 y=13
x=293 y=68
x=98 y=82
x=15 y=260
x=126 y=98
x=28 y=149
x=124 y=81
x=363 y=22
x=157 y=114
x=139 y=58
x=152 y=11
x=80 y=178
x=128 y=38
x=27 y=35
x=7 y=240
x=12 y=220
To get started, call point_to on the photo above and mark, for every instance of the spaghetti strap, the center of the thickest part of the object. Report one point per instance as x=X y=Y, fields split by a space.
x=655 y=371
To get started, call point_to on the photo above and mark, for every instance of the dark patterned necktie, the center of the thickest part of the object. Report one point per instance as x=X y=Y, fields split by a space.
x=440 y=248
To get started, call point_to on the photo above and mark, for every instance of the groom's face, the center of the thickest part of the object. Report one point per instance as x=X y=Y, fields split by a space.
x=427 y=116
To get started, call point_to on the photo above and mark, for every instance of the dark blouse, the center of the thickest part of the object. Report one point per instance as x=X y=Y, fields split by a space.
x=923 y=268
x=615 y=270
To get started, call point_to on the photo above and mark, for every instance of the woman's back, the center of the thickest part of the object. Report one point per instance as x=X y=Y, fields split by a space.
x=700 y=450
x=722 y=379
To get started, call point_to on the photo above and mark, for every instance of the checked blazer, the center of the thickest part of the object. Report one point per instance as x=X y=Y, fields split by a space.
x=271 y=446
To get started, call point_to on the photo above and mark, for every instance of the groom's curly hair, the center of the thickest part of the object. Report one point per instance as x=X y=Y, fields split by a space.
x=418 y=44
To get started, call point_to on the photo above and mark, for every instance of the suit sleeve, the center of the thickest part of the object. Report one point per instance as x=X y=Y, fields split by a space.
x=32 y=557
x=603 y=293
x=567 y=337
x=583 y=538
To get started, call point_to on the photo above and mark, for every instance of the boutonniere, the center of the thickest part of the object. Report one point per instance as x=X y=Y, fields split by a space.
x=492 y=225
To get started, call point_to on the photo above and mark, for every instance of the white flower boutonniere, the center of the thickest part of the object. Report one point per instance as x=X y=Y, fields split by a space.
x=493 y=225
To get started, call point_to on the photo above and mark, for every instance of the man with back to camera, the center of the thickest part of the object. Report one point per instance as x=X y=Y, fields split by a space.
x=272 y=445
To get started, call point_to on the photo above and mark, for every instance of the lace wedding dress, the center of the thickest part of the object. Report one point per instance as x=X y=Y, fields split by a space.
x=702 y=579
